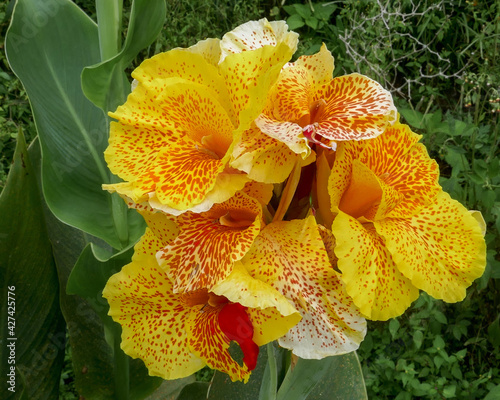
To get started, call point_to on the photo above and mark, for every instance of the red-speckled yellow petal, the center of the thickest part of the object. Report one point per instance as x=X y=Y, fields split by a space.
x=241 y=287
x=162 y=225
x=263 y=192
x=389 y=176
x=263 y=158
x=153 y=319
x=356 y=107
x=292 y=257
x=441 y=249
x=256 y=34
x=285 y=132
x=249 y=76
x=403 y=166
x=185 y=175
x=272 y=315
x=208 y=342
x=368 y=270
x=190 y=66
x=209 y=243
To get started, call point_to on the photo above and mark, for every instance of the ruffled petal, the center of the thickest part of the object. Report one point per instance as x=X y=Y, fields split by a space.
x=210 y=343
x=209 y=243
x=290 y=255
x=153 y=319
x=371 y=277
x=256 y=34
x=263 y=158
x=249 y=76
x=389 y=176
x=356 y=108
x=441 y=249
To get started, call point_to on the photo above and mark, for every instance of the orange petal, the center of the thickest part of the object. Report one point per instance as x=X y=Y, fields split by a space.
x=368 y=270
x=441 y=249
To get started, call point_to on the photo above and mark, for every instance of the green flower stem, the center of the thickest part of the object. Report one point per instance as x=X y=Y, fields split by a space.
x=121 y=367
x=269 y=384
x=109 y=23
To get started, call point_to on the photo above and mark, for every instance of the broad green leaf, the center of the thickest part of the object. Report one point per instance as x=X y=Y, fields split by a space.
x=194 y=391
x=87 y=279
x=222 y=387
x=106 y=84
x=412 y=117
x=32 y=326
x=332 y=378
x=48 y=44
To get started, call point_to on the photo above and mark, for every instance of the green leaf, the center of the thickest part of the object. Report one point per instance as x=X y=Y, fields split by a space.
x=393 y=327
x=494 y=394
x=87 y=279
x=412 y=117
x=106 y=84
x=295 y=22
x=418 y=338
x=194 y=391
x=494 y=332
x=449 y=391
x=222 y=387
x=333 y=378
x=312 y=22
x=48 y=44
x=33 y=330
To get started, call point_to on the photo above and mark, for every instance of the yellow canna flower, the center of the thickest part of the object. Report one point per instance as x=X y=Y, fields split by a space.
x=176 y=334
x=291 y=257
x=173 y=138
x=396 y=231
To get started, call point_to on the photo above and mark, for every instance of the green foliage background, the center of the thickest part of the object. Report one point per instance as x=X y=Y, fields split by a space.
x=441 y=60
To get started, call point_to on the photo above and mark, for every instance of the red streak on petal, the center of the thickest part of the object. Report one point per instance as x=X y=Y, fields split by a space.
x=234 y=322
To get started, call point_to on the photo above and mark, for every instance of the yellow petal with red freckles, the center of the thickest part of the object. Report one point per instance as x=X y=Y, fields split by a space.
x=256 y=34
x=241 y=287
x=154 y=73
x=356 y=107
x=263 y=158
x=441 y=249
x=209 y=243
x=162 y=225
x=291 y=256
x=260 y=191
x=185 y=175
x=208 y=342
x=153 y=319
x=389 y=176
x=285 y=132
x=249 y=76
x=404 y=166
x=371 y=277
x=272 y=315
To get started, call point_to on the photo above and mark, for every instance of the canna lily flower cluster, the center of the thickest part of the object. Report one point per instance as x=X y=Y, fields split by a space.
x=281 y=203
